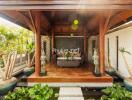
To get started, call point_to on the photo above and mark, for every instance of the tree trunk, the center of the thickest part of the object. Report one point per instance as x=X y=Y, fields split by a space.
x=29 y=60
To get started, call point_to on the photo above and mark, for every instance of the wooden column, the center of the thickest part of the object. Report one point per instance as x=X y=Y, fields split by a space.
x=53 y=46
x=53 y=40
x=37 y=43
x=101 y=45
x=85 y=45
x=103 y=28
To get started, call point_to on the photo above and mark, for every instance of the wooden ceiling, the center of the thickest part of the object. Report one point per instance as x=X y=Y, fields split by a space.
x=58 y=15
x=61 y=21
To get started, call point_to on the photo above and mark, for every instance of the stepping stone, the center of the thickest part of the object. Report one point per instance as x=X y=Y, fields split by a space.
x=70 y=92
x=70 y=98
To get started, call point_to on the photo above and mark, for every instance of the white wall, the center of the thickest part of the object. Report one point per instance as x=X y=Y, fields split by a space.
x=125 y=40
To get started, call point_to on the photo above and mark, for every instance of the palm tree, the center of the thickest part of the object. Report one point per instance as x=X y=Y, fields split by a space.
x=30 y=50
x=123 y=51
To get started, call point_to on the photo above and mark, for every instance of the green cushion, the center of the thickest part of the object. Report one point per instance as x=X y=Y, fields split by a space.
x=7 y=86
x=128 y=84
x=28 y=71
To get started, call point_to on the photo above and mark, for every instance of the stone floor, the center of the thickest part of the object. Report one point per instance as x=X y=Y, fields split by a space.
x=70 y=93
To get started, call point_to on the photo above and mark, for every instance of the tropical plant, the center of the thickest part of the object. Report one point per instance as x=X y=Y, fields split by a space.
x=30 y=50
x=12 y=38
x=37 y=92
x=123 y=51
x=116 y=92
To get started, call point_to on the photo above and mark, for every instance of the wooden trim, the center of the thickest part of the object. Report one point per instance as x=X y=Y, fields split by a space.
x=108 y=49
x=117 y=53
x=105 y=79
x=71 y=2
x=128 y=24
x=67 y=36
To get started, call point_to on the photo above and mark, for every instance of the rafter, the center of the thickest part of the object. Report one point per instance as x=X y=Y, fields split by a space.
x=19 y=17
x=120 y=17
x=32 y=20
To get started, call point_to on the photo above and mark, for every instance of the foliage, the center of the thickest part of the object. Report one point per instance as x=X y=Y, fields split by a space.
x=30 y=47
x=15 y=39
x=12 y=38
x=37 y=92
x=67 y=54
x=116 y=92
x=122 y=50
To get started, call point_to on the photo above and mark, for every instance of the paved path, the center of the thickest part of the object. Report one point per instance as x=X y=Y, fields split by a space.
x=70 y=93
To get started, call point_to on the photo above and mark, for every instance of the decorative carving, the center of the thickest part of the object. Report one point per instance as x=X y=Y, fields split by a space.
x=46 y=39
x=96 y=63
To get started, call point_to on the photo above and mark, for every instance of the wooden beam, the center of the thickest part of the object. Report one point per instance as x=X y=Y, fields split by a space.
x=65 y=4
x=38 y=43
x=53 y=45
x=32 y=20
x=120 y=17
x=57 y=2
x=101 y=45
x=85 y=45
x=103 y=28
x=53 y=39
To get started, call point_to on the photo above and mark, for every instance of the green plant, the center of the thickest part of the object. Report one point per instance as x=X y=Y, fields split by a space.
x=116 y=92
x=67 y=54
x=37 y=92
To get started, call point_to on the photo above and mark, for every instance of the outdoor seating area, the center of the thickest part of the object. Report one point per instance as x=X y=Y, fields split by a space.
x=65 y=50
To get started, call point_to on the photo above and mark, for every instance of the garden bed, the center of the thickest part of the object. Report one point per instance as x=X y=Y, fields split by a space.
x=91 y=93
x=23 y=92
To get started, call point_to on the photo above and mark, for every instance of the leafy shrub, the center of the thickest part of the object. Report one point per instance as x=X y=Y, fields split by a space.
x=116 y=92
x=37 y=92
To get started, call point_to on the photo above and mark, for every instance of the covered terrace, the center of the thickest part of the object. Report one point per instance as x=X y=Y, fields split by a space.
x=54 y=18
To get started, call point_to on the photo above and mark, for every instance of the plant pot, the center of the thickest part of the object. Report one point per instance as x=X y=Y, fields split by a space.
x=96 y=71
x=128 y=84
x=7 y=85
x=110 y=71
x=43 y=72
x=28 y=71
